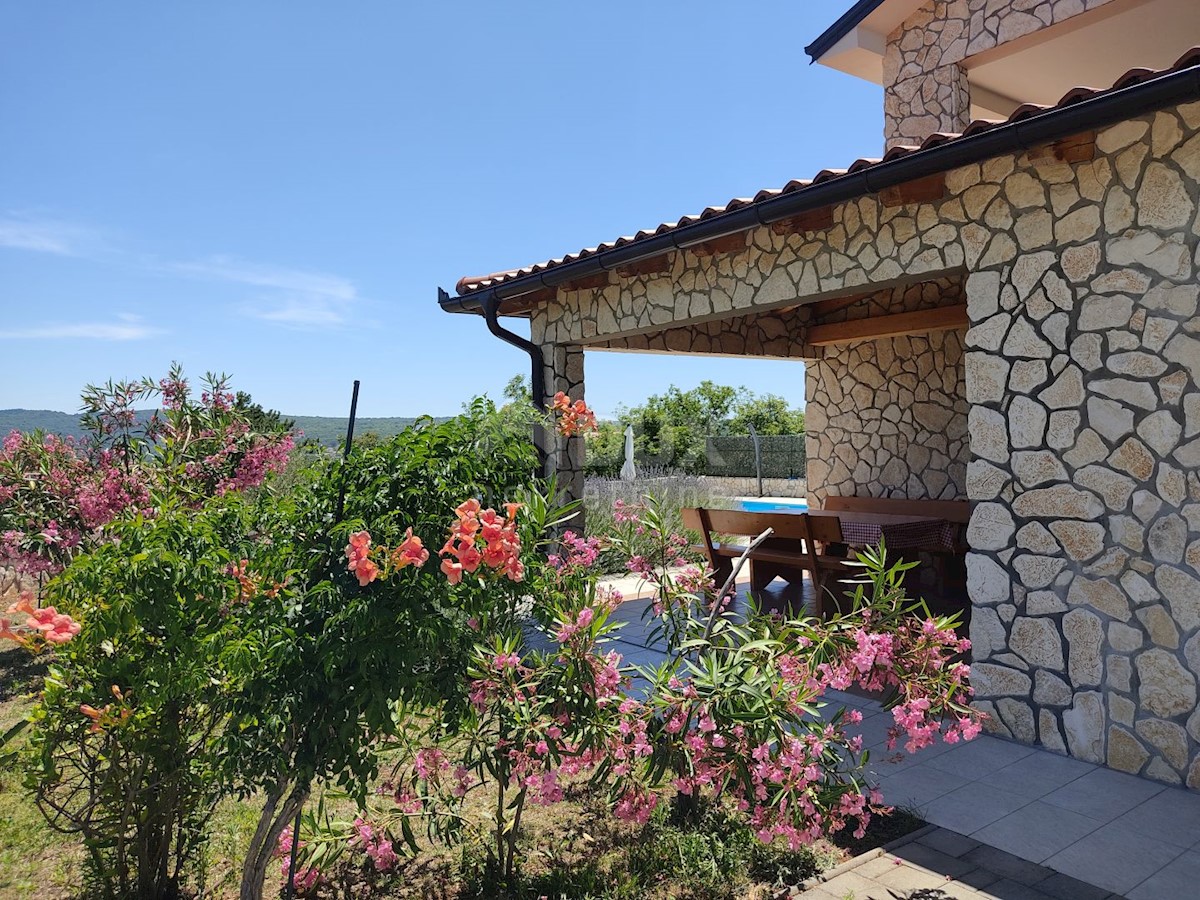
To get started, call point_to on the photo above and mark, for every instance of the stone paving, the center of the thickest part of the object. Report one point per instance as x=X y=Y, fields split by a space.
x=1040 y=822
x=937 y=864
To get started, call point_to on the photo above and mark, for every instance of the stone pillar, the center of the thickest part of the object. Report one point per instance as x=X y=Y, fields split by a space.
x=565 y=456
x=926 y=103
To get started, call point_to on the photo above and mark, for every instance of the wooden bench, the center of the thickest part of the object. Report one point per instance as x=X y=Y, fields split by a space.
x=788 y=553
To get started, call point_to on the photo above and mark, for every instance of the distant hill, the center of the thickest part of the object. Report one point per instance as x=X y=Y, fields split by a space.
x=328 y=430
x=66 y=424
x=331 y=430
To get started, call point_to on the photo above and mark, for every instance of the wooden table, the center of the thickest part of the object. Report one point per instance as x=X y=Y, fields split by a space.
x=898 y=531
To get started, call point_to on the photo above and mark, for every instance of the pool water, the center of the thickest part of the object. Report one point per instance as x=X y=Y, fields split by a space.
x=772 y=504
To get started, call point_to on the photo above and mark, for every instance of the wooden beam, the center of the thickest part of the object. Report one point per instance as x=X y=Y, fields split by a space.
x=942 y=318
x=1076 y=148
x=655 y=265
x=731 y=243
x=813 y=220
x=920 y=190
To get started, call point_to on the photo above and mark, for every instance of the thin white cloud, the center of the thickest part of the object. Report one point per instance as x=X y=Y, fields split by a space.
x=297 y=298
x=128 y=328
x=19 y=232
x=225 y=268
x=298 y=313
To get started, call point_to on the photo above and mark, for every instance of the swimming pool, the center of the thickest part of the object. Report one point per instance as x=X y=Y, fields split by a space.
x=772 y=504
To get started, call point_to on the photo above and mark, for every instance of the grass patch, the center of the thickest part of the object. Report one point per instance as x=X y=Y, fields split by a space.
x=35 y=861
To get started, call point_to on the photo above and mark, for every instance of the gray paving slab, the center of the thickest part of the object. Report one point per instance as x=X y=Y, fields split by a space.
x=1176 y=880
x=926 y=857
x=978 y=758
x=1103 y=794
x=1007 y=889
x=971 y=807
x=949 y=842
x=918 y=786
x=1064 y=887
x=1037 y=774
x=1115 y=858
x=1037 y=831
x=1171 y=816
x=1008 y=865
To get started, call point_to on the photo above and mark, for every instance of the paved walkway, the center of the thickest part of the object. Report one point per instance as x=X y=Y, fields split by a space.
x=1124 y=835
x=936 y=864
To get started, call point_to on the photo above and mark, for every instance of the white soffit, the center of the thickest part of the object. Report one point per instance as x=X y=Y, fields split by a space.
x=1090 y=50
x=860 y=51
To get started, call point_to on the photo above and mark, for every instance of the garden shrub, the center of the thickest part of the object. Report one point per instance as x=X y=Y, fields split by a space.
x=58 y=495
x=123 y=751
x=336 y=650
x=735 y=712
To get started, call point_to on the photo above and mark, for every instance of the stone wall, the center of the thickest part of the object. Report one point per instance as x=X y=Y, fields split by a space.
x=889 y=417
x=1083 y=373
x=563 y=368
x=925 y=85
x=778 y=334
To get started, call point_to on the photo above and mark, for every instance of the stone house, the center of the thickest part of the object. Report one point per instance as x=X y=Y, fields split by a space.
x=1003 y=307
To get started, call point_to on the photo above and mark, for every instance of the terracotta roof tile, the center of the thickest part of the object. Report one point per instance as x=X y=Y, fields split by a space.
x=1190 y=59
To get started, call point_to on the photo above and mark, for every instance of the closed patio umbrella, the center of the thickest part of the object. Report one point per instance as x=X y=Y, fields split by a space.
x=628 y=472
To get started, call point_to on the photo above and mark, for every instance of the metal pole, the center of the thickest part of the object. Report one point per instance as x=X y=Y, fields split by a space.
x=757 y=458
x=290 y=892
x=346 y=450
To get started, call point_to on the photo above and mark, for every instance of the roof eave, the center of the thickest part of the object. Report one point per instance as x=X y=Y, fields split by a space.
x=1101 y=110
x=847 y=22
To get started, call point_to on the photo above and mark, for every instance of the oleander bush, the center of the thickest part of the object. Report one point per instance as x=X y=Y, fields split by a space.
x=410 y=648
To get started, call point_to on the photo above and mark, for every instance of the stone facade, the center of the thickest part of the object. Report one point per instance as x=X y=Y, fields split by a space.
x=926 y=89
x=1083 y=371
x=778 y=334
x=1080 y=383
x=889 y=417
x=563 y=456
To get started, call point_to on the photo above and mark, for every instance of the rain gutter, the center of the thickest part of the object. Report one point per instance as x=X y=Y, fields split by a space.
x=846 y=23
x=1041 y=128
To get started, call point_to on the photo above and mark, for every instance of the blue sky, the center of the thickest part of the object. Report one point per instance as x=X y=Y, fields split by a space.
x=276 y=188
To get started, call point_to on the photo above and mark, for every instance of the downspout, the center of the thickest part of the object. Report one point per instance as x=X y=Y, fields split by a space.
x=537 y=377
x=537 y=362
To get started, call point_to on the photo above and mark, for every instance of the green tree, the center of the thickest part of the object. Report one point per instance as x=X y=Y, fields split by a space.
x=517 y=390
x=770 y=414
x=264 y=421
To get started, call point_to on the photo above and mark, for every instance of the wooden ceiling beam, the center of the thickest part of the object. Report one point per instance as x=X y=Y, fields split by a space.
x=923 y=321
